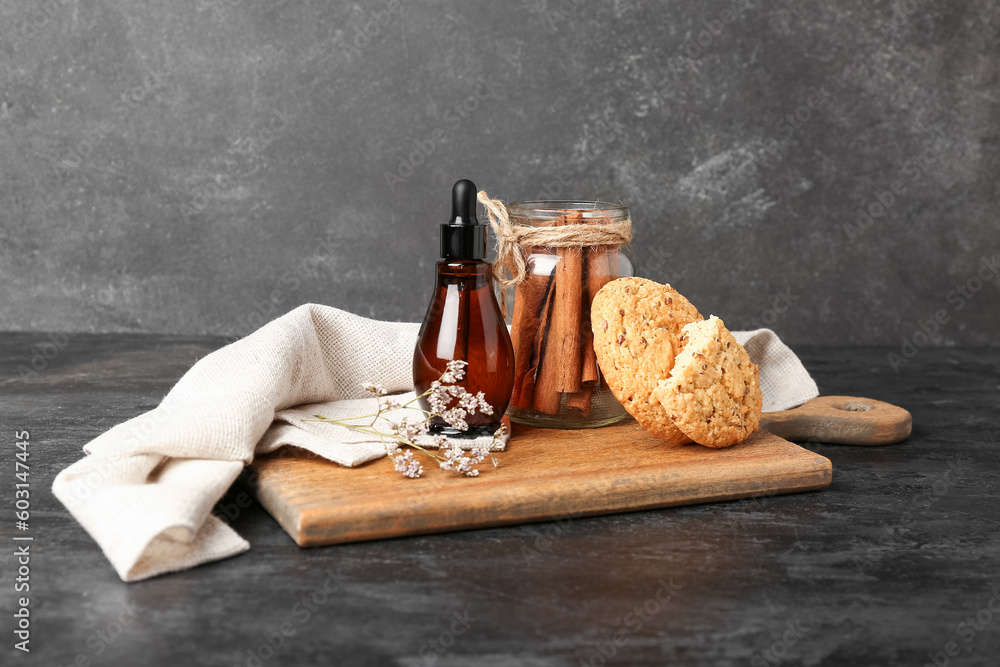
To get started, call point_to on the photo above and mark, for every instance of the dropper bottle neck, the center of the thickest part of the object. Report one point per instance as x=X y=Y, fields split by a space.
x=464 y=238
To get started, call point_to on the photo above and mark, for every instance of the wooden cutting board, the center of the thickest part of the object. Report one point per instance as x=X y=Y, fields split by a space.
x=547 y=474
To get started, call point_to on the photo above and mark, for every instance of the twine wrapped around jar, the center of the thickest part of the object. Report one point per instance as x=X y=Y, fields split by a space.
x=514 y=241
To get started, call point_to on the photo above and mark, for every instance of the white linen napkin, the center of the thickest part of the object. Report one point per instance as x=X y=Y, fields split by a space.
x=146 y=489
x=784 y=381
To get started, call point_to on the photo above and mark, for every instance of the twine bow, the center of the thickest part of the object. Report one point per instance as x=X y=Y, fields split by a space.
x=513 y=241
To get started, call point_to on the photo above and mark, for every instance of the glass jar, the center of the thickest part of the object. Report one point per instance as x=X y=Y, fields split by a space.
x=557 y=382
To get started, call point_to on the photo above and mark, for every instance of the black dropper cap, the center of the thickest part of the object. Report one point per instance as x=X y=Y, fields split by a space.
x=464 y=237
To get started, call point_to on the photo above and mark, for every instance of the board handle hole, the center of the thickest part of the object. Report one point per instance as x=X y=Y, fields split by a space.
x=856 y=406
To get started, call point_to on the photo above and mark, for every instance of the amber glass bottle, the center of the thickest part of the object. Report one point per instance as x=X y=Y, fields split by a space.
x=463 y=321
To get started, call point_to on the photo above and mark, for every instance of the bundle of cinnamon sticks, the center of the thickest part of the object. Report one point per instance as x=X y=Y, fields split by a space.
x=553 y=342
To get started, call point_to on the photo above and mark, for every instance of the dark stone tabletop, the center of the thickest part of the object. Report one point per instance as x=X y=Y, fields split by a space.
x=897 y=562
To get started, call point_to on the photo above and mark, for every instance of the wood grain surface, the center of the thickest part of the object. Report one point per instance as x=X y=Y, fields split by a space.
x=844 y=420
x=544 y=474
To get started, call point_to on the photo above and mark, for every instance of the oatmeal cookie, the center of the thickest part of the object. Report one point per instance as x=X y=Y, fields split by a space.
x=713 y=392
x=636 y=324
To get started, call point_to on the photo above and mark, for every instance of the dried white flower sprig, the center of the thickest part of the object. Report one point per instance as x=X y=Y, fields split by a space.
x=443 y=392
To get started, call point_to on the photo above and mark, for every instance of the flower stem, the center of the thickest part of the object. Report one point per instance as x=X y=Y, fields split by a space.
x=373 y=431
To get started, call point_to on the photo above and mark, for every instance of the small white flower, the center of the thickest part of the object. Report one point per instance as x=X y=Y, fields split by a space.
x=455 y=417
x=373 y=388
x=406 y=464
x=409 y=428
x=438 y=398
x=480 y=451
x=468 y=402
x=457 y=368
x=437 y=404
x=484 y=407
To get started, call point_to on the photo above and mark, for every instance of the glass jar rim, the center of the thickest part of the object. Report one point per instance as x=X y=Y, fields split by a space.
x=553 y=208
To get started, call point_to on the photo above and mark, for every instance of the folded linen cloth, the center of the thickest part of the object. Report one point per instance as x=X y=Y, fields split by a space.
x=146 y=489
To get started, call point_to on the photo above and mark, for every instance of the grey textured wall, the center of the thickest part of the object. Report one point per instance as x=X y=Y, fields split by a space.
x=171 y=167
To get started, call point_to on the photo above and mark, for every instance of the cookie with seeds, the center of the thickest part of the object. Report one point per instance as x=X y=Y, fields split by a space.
x=636 y=324
x=713 y=392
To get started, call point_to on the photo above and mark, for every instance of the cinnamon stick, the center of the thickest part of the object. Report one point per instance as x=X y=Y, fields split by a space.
x=613 y=270
x=559 y=371
x=598 y=275
x=529 y=300
x=527 y=396
x=601 y=266
x=595 y=276
x=581 y=400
